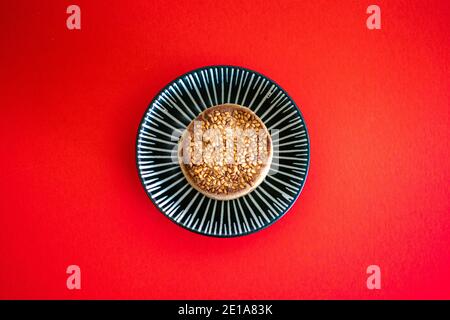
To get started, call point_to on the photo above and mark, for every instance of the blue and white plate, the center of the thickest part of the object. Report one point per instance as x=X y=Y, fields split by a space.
x=176 y=106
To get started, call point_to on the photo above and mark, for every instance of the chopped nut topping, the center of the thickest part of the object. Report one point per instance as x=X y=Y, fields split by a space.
x=229 y=153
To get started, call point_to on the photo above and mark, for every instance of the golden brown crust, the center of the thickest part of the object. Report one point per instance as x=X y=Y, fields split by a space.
x=259 y=174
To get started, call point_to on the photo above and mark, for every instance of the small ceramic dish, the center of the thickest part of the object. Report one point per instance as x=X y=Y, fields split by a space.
x=266 y=198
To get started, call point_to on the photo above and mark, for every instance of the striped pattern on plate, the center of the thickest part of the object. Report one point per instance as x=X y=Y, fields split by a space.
x=176 y=106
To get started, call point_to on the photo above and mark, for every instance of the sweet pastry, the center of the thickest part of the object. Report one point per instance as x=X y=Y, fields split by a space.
x=225 y=152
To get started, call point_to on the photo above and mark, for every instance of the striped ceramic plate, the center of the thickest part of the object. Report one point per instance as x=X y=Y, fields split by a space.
x=176 y=106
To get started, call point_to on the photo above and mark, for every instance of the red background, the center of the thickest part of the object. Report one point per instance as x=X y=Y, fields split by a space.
x=377 y=108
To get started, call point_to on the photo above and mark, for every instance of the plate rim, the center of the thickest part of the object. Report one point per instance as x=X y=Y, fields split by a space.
x=141 y=122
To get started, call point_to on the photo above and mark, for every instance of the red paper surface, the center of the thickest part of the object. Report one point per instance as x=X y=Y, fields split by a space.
x=376 y=103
